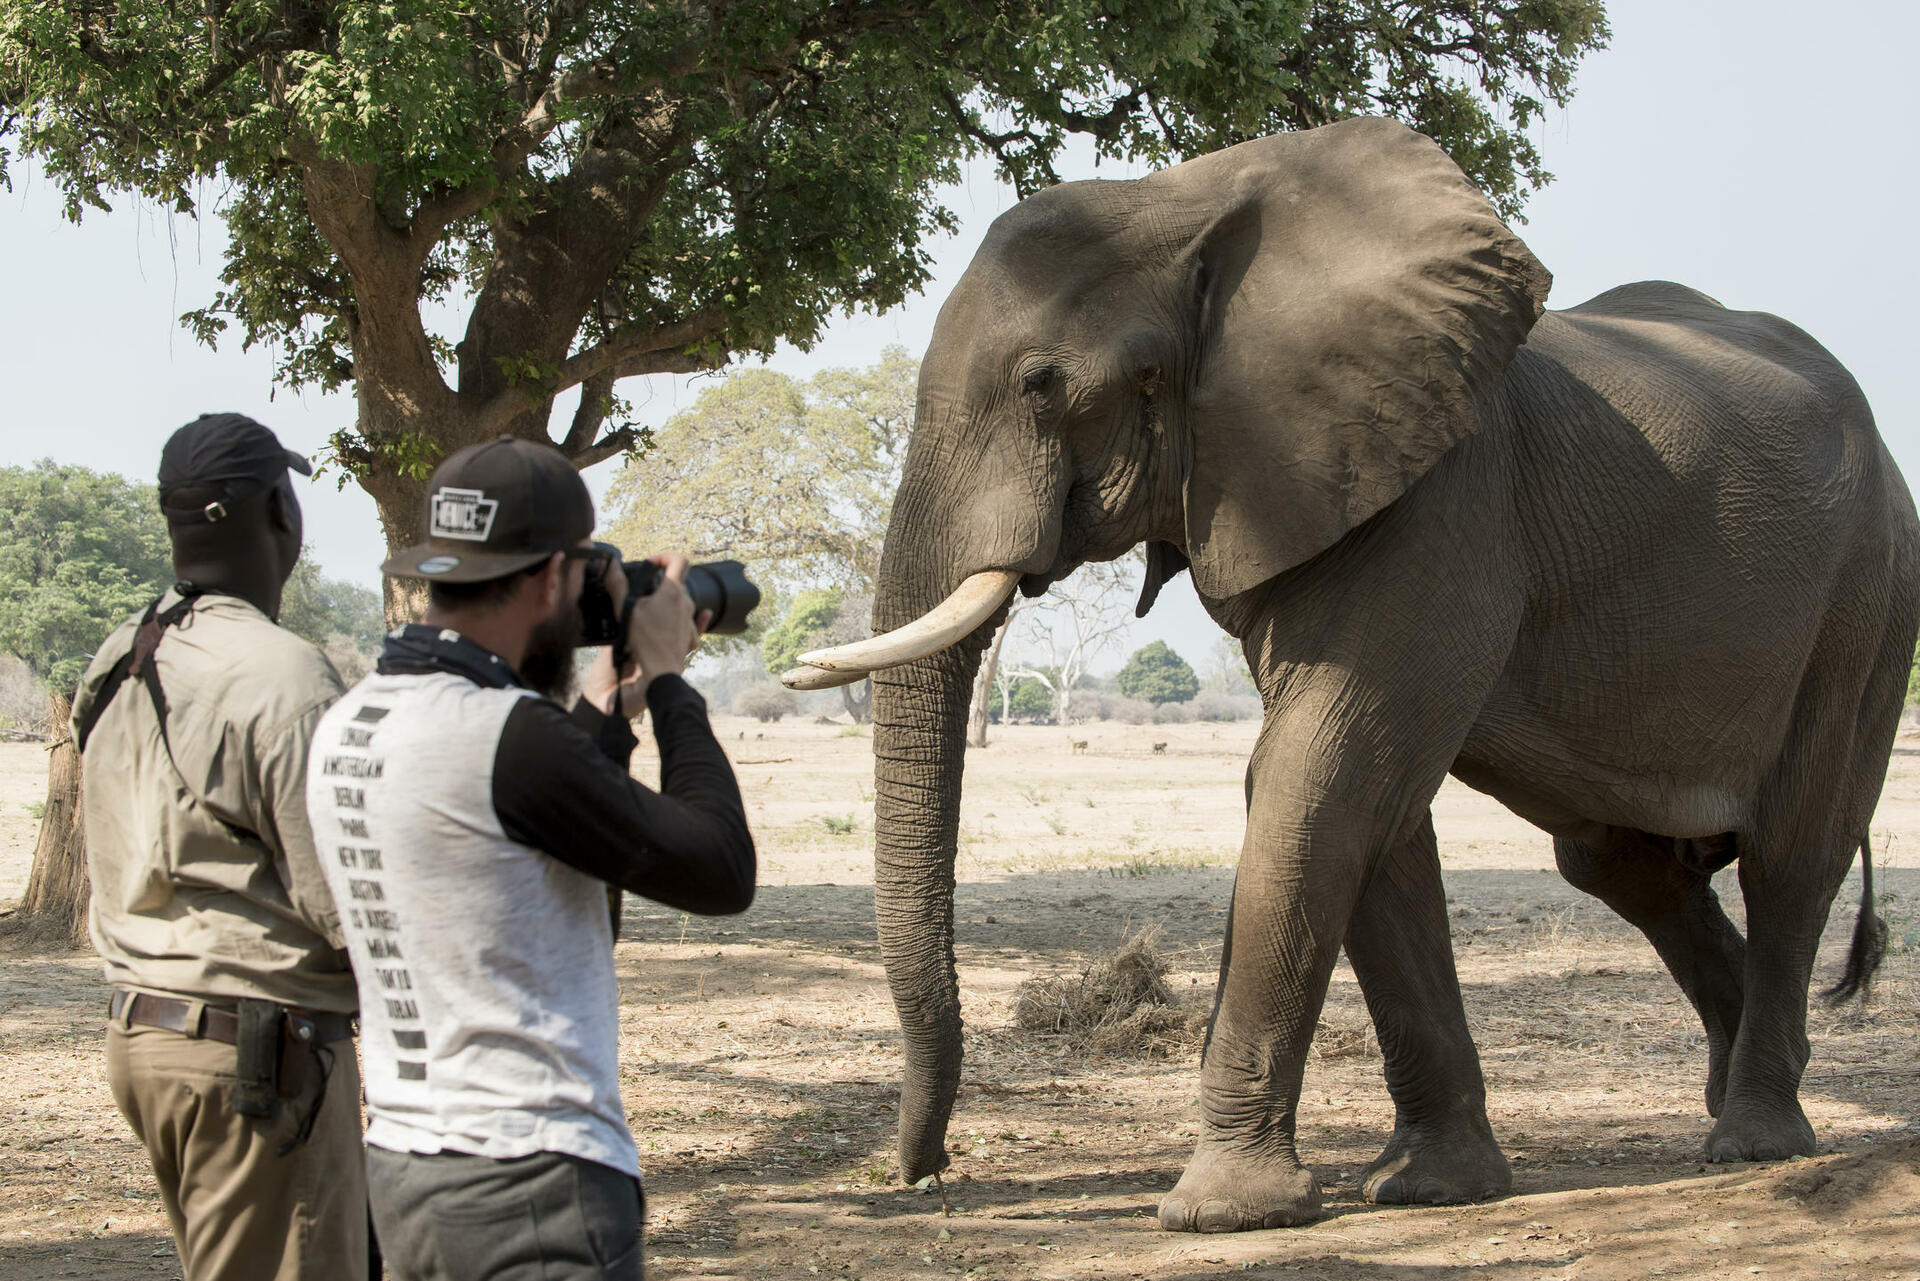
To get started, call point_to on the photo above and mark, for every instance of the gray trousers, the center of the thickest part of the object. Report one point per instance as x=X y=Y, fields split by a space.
x=545 y=1217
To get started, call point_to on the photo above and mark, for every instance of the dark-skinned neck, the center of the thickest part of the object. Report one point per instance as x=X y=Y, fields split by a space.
x=257 y=583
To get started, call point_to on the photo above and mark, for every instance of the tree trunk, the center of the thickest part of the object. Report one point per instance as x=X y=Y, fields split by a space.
x=980 y=708
x=57 y=887
x=860 y=705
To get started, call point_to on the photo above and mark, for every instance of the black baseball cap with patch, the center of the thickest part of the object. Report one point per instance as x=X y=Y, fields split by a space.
x=496 y=508
x=218 y=460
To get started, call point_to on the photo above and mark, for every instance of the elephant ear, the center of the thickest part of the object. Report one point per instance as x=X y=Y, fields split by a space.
x=1357 y=300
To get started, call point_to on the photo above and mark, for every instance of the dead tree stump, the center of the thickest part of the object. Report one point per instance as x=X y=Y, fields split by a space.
x=57 y=888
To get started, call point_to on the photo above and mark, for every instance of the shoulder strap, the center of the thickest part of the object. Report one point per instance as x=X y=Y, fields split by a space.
x=138 y=661
x=116 y=677
x=145 y=641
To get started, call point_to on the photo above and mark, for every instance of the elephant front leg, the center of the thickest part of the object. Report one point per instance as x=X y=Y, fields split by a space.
x=1300 y=872
x=1442 y=1149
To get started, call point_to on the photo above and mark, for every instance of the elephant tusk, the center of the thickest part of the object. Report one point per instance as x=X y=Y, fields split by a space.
x=971 y=604
x=805 y=677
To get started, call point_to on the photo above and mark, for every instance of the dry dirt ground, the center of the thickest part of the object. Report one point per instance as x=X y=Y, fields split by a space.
x=760 y=1055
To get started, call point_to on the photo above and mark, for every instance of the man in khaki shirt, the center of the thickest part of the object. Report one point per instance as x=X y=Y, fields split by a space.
x=229 y=1042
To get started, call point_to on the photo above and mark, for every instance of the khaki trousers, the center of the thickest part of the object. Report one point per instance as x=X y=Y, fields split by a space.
x=240 y=1211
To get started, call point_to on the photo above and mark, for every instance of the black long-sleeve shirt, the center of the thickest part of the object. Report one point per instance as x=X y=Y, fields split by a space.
x=561 y=785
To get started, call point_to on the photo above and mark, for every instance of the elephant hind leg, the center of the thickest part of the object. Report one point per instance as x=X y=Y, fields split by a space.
x=1442 y=1149
x=1642 y=879
x=1810 y=818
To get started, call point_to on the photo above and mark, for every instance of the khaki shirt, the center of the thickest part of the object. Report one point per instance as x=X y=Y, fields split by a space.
x=183 y=903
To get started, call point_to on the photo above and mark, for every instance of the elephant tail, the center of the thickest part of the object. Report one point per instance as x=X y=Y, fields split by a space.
x=1869 y=940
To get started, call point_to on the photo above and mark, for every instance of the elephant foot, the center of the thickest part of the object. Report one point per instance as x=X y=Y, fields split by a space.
x=1224 y=1190
x=1432 y=1166
x=1749 y=1134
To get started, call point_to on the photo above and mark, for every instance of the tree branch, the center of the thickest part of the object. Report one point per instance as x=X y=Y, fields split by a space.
x=614 y=442
x=629 y=351
x=594 y=394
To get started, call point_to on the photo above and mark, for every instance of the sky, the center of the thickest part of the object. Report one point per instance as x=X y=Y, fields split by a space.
x=1759 y=150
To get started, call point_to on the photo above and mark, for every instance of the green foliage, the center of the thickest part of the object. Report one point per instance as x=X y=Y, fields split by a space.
x=1158 y=675
x=319 y=608
x=808 y=624
x=633 y=187
x=796 y=479
x=1030 y=699
x=79 y=551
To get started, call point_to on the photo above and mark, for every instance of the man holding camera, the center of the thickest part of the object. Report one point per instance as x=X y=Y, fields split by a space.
x=470 y=828
x=229 y=1044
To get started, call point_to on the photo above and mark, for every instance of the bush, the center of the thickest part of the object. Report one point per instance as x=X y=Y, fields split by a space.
x=23 y=699
x=1087 y=705
x=348 y=657
x=1214 y=706
x=1133 y=711
x=768 y=702
x=1173 y=714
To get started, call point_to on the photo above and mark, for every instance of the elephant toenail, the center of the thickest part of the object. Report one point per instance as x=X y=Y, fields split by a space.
x=1217 y=1216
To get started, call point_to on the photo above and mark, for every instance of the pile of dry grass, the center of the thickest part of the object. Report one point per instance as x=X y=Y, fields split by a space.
x=1121 y=1005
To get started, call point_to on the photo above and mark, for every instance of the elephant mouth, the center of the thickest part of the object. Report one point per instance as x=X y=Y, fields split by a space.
x=972 y=603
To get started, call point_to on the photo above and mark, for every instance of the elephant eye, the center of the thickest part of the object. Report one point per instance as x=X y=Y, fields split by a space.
x=1036 y=382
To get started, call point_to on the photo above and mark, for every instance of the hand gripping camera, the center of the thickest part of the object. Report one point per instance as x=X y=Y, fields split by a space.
x=719 y=585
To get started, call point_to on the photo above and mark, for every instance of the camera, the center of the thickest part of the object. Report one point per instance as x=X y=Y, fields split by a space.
x=719 y=585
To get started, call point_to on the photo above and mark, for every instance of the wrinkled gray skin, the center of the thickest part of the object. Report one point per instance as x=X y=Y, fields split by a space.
x=1649 y=579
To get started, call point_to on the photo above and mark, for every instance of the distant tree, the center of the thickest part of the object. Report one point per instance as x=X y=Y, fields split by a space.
x=1158 y=675
x=1030 y=698
x=795 y=478
x=343 y=618
x=1227 y=671
x=79 y=551
x=1073 y=624
x=816 y=618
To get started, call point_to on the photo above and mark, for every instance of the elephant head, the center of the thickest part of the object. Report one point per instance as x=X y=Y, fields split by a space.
x=1235 y=360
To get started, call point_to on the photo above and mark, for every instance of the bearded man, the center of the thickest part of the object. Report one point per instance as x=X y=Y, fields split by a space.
x=469 y=828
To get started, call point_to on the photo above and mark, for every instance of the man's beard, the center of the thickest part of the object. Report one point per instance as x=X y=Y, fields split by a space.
x=547 y=667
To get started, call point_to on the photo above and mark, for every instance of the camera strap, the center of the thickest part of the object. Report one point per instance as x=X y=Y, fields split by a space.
x=621 y=654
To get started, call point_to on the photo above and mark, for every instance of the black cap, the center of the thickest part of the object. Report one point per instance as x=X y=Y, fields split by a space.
x=217 y=460
x=496 y=508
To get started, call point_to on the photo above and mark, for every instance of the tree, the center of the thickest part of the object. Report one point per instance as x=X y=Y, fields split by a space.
x=1158 y=675
x=1030 y=698
x=820 y=617
x=794 y=478
x=1077 y=619
x=344 y=619
x=79 y=551
x=616 y=190
x=1227 y=671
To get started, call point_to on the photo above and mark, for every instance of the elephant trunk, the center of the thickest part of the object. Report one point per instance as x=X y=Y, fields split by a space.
x=919 y=744
x=919 y=741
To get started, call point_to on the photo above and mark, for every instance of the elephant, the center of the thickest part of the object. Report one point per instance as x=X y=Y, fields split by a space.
x=1642 y=570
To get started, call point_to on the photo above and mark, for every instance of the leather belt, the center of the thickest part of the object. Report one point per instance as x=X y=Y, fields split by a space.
x=211 y=1022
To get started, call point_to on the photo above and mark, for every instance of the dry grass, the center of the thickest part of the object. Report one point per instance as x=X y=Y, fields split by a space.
x=1121 y=1005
